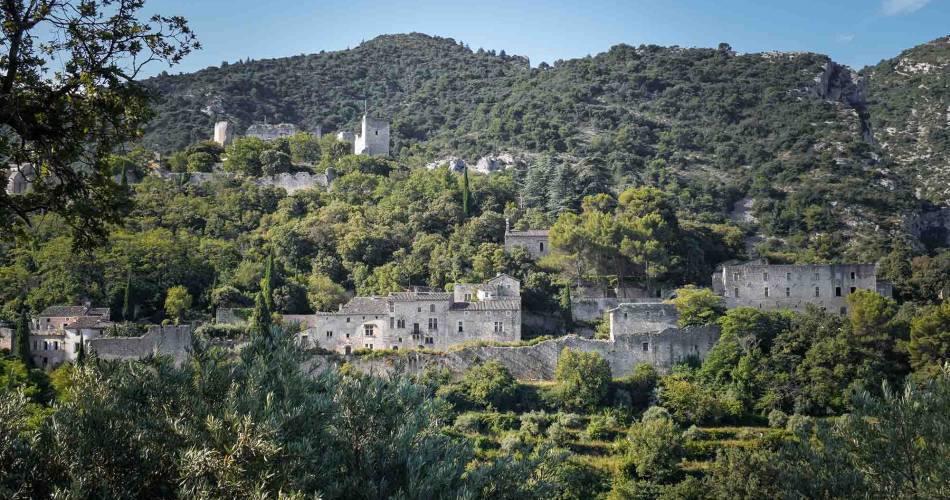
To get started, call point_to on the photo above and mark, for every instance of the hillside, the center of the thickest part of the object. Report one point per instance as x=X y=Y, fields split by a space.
x=796 y=135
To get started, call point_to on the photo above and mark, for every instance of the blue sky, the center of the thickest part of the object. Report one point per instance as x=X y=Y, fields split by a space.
x=853 y=32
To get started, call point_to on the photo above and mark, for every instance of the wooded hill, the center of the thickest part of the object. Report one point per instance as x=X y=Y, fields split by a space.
x=832 y=158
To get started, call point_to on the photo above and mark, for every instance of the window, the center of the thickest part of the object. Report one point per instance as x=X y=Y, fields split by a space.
x=433 y=323
x=347 y=319
x=788 y=292
x=368 y=330
x=853 y=289
x=395 y=347
x=646 y=347
x=419 y=309
x=368 y=346
x=468 y=297
x=788 y=276
x=735 y=292
x=844 y=310
x=392 y=322
x=735 y=276
x=461 y=329
x=305 y=339
x=766 y=291
x=624 y=315
x=817 y=292
x=400 y=339
x=56 y=345
x=816 y=275
x=400 y=323
x=837 y=291
x=415 y=329
x=541 y=246
x=852 y=275
x=431 y=308
x=329 y=333
x=347 y=349
x=430 y=340
x=765 y=276
x=499 y=327
x=392 y=307
x=347 y=335
x=45 y=345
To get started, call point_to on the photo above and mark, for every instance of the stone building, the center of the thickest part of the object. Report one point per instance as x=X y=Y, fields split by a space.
x=56 y=333
x=269 y=132
x=6 y=336
x=535 y=241
x=20 y=178
x=419 y=318
x=373 y=139
x=769 y=287
x=223 y=133
x=640 y=333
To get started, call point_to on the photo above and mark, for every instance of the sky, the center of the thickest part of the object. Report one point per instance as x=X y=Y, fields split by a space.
x=853 y=32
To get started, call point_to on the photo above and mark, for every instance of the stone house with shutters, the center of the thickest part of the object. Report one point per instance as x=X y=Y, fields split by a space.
x=56 y=333
x=418 y=318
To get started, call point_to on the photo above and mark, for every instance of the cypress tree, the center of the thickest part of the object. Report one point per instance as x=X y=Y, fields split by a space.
x=260 y=319
x=22 y=340
x=126 y=309
x=466 y=195
x=125 y=178
x=267 y=284
x=81 y=355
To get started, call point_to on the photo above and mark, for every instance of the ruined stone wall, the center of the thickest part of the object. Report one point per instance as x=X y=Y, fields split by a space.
x=535 y=242
x=294 y=182
x=173 y=341
x=661 y=349
x=641 y=317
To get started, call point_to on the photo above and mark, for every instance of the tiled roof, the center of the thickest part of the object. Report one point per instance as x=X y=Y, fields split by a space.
x=366 y=305
x=63 y=311
x=89 y=322
x=410 y=296
x=529 y=232
x=488 y=305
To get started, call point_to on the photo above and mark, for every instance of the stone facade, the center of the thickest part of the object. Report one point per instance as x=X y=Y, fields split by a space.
x=223 y=133
x=418 y=319
x=535 y=241
x=646 y=335
x=6 y=337
x=373 y=139
x=20 y=178
x=770 y=287
x=56 y=333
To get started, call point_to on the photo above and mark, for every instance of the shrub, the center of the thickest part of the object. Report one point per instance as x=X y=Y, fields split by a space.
x=694 y=434
x=489 y=385
x=570 y=420
x=655 y=412
x=602 y=427
x=500 y=422
x=777 y=419
x=583 y=379
x=558 y=434
x=697 y=306
x=799 y=423
x=653 y=449
x=470 y=423
x=535 y=422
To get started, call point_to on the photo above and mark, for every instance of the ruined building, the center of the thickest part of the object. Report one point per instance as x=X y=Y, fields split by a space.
x=269 y=132
x=535 y=241
x=223 y=133
x=419 y=318
x=372 y=140
x=769 y=287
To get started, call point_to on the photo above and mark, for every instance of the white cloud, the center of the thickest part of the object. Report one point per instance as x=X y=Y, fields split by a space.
x=897 y=7
x=844 y=38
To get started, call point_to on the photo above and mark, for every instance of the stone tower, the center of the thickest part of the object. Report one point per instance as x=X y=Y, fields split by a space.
x=223 y=133
x=373 y=138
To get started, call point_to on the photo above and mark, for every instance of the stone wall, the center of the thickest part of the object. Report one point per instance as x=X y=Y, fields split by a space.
x=661 y=349
x=295 y=182
x=534 y=241
x=641 y=317
x=6 y=338
x=173 y=341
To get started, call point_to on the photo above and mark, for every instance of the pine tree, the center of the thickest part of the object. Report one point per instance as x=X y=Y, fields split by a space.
x=466 y=195
x=126 y=306
x=23 y=340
